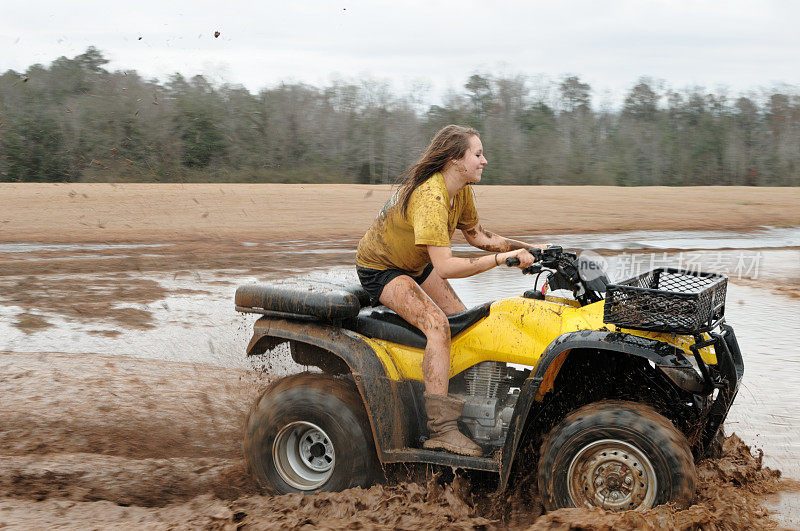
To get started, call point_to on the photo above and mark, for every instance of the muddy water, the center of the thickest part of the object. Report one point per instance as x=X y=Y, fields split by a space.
x=190 y=317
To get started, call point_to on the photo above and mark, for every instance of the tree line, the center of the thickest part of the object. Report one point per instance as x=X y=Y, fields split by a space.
x=76 y=121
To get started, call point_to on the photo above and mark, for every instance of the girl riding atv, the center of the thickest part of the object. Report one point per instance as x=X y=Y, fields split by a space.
x=404 y=261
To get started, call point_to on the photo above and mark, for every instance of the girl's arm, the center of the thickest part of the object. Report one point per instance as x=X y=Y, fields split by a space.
x=449 y=266
x=478 y=237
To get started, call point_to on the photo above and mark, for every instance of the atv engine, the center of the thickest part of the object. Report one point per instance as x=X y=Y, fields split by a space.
x=489 y=404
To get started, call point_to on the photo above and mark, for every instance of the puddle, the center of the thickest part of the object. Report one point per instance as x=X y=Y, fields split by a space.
x=193 y=327
x=786 y=508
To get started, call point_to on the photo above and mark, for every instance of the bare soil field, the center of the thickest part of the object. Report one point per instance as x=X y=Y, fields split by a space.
x=270 y=212
x=90 y=441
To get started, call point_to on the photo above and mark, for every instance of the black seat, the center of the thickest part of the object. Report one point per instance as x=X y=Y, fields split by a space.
x=327 y=300
x=383 y=323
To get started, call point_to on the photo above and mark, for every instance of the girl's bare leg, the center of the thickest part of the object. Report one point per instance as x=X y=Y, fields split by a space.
x=442 y=293
x=405 y=297
x=410 y=302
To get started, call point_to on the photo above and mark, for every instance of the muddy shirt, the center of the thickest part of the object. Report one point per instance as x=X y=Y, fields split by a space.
x=395 y=241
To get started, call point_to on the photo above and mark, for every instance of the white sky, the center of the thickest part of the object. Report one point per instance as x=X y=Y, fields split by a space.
x=738 y=44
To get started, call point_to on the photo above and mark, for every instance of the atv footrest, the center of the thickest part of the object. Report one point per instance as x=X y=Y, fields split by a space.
x=417 y=455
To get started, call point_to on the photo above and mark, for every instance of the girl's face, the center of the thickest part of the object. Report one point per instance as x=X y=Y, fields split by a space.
x=470 y=166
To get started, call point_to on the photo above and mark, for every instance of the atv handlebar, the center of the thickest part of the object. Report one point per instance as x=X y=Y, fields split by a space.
x=564 y=272
x=547 y=257
x=514 y=261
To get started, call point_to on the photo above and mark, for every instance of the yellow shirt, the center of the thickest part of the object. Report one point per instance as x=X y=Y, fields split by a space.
x=395 y=241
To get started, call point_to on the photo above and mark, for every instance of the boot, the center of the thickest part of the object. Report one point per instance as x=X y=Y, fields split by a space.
x=443 y=413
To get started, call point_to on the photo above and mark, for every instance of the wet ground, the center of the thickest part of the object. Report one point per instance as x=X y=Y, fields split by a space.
x=64 y=307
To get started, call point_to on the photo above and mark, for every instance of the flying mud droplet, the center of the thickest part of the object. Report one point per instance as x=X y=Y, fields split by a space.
x=216 y=34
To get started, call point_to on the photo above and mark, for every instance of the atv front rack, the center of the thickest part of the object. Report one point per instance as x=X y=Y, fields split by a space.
x=667 y=299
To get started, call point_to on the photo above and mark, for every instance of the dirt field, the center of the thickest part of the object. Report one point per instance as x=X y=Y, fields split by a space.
x=96 y=441
x=270 y=212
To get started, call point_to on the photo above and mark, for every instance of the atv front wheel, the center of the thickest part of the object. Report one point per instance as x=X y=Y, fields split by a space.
x=615 y=455
x=309 y=433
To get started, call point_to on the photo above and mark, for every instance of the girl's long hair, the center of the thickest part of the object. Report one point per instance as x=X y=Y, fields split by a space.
x=450 y=143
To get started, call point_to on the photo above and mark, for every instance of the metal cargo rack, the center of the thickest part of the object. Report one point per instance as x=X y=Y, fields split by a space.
x=667 y=299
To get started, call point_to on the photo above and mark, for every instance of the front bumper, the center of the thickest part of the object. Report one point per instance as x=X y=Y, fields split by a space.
x=723 y=379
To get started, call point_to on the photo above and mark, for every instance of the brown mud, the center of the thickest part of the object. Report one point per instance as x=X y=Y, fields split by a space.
x=92 y=441
x=88 y=302
x=74 y=299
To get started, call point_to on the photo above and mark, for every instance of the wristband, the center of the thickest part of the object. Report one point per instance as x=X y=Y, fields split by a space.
x=495 y=259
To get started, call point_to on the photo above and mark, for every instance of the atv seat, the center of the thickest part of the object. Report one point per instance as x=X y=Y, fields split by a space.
x=383 y=323
x=324 y=300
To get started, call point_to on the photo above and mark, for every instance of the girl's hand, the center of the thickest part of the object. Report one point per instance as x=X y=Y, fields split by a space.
x=525 y=258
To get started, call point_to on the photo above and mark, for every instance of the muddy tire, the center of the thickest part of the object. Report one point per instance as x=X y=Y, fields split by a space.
x=616 y=455
x=309 y=433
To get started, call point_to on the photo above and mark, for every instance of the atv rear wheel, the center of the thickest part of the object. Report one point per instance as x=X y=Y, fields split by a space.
x=309 y=433
x=615 y=455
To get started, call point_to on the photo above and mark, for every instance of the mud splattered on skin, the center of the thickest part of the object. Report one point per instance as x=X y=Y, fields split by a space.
x=103 y=441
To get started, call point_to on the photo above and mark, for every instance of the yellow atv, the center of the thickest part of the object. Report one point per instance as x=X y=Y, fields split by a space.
x=609 y=394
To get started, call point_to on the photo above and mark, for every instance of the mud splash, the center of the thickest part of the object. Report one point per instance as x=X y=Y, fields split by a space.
x=100 y=441
x=218 y=496
x=730 y=495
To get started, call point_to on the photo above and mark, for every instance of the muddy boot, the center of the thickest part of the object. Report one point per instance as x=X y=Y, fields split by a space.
x=443 y=413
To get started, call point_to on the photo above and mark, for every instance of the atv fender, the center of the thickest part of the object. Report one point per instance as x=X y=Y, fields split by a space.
x=388 y=403
x=541 y=379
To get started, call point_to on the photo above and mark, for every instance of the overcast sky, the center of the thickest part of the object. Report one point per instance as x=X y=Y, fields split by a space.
x=439 y=43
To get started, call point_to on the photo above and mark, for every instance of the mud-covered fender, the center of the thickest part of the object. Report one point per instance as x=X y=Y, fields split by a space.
x=388 y=403
x=541 y=379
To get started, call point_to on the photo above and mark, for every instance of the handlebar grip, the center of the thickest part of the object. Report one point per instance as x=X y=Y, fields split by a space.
x=514 y=261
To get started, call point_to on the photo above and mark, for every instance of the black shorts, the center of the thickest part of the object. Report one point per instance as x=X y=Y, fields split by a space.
x=374 y=280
